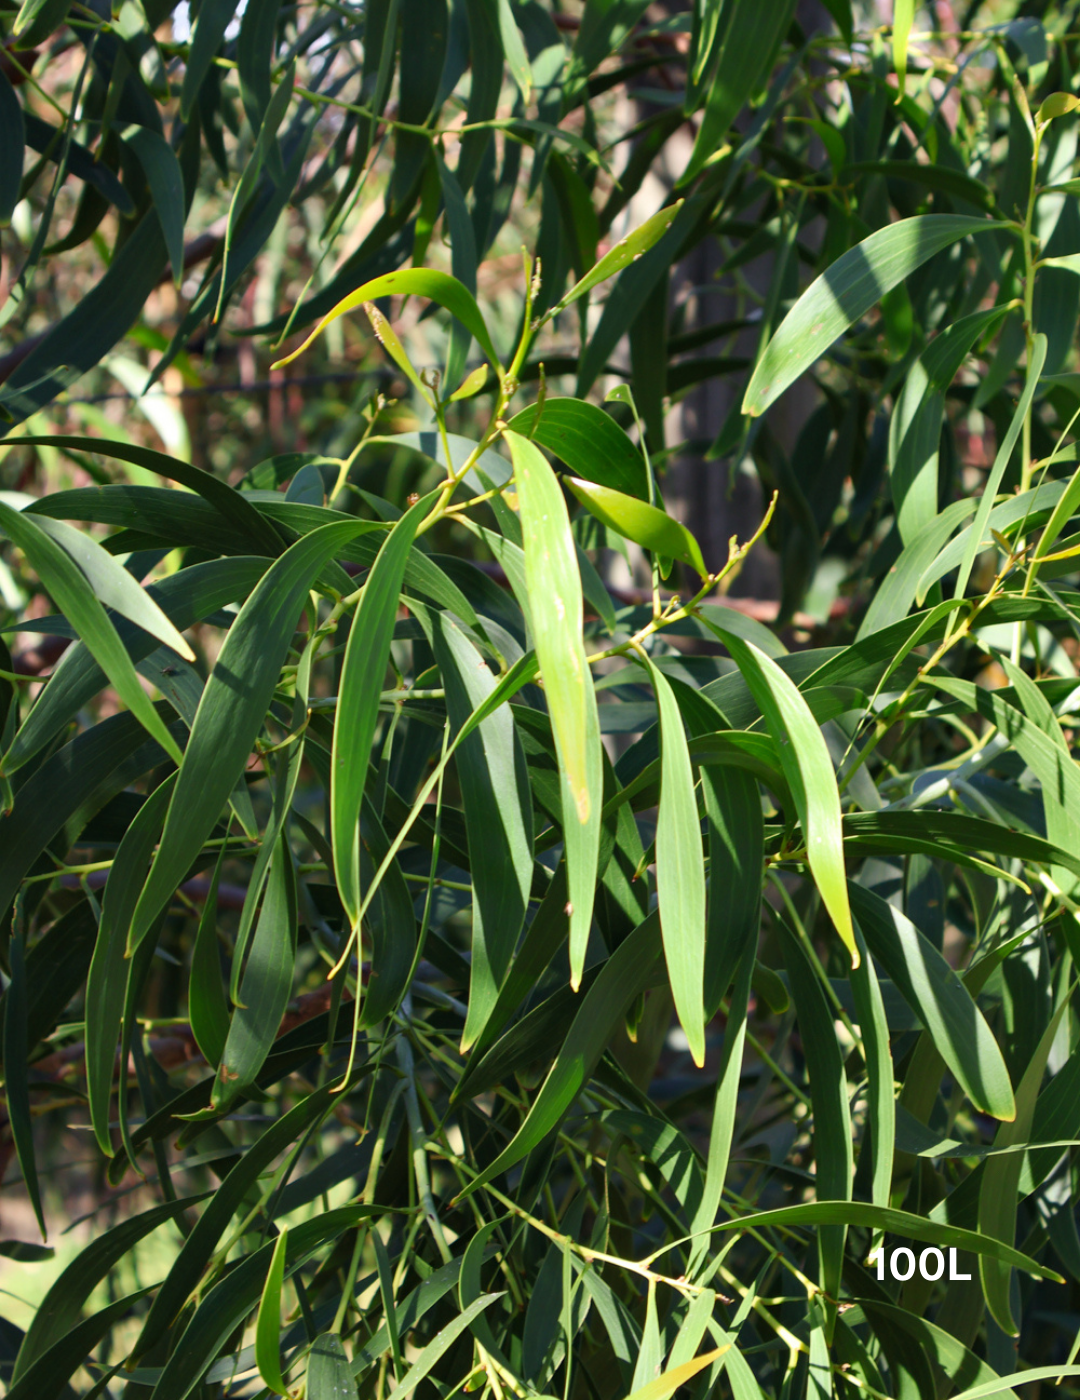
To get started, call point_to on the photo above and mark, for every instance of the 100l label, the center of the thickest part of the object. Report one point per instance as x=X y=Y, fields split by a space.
x=931 y=1262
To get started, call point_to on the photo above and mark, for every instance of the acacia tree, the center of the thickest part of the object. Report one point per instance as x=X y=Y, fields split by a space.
x=473 y=978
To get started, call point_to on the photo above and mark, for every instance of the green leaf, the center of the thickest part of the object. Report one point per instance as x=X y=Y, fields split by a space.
x=361 y=685
x=664 y=1386
x=680 y=871
x=415 y=281
x=208 y=1007
x=16 y=1072
x=185 y=597
x=934 y=831
x=163 y=175
x=710 y=20
x=653 y=529
x=199 y=1246
x=68 y=585
x=48 y=1377
x=554 y=586
x=915 y=426
x=808 y=768
x=626 y=251
x=725 y=1104
x=227 y=1303
x=329 y=1375
x=268 y=1322
x=258 y=535
x=932 y=177
x=516 y=58
x=58 y=1313
x=12 y=140
x=498 y=816
x=1001 y=1178
x=441 y=1344
x=846 y=291
x=901 y=1223
x=255 y=57
x=228 y=720
x=1058 y=104
x=113 y=585
x=1032 y=1376
x=829 y=1103
x=635 y=965
x=977 y=538
x=588 y=440
x=88 y=332
x=107 y=982
x=267 y=982
x=751 y=40
x=36 y=20
x=874 y=1029
x=210 y=26
x=472 y=384
x=938 y=997
x=903 y=18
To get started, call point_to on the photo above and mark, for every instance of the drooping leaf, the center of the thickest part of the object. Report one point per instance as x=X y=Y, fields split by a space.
x=588 y=440
x=107 y=981
x=653 y=529
x=12 y=139
x=268 y=1322
x=68 y=584
x=437 y=286
x=498 y=817
x=163 y=175
x=809 y=772
x=358 y=702
x=903 y=18
x=751 y=40
x=229 y=718
x=266 y=984
x=846 y=291
x=634 y=966
x=329 y=1375
x=680 y=872
x=935 y=992
x=554 y=586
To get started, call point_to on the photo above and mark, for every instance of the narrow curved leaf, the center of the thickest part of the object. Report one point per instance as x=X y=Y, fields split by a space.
x=358 y=701
x=12 y=141
x=232 y=710
x=163 y=175
x=107 y=981
x=664 y=1386
x=17 y=1074
x=680 y=870
x=751 y=40
x=588 y=440
x=846 y=291
x=267 y=982
x=234 y=506
x=498 y=817
x=268 y=1322
x=933 y=990
x=647 y=526
x=808 y=768
x=415 y=281
x=977 y=536
x=554 y=586
x=59 y=1311
x=626 y=251
x=634 y=966
x=329 y=1375
x=67 y=584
